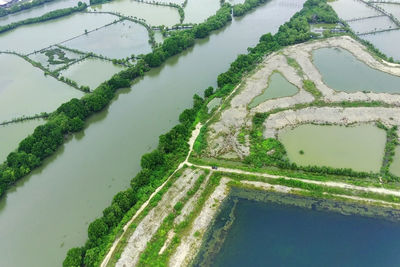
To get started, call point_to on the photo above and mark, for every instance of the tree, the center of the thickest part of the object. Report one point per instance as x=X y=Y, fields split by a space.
x=97 y=229
x=208 y=92
x=152 y=160
x=74 y=258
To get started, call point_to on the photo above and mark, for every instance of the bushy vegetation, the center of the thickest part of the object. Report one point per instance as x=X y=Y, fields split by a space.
x=62 y=59
x=310 y=87
x=48 y=16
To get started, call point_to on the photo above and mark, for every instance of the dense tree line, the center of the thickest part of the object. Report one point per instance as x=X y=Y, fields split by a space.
x=156 y=165
x=241 y=9
x=23 y=6
x=48 y=16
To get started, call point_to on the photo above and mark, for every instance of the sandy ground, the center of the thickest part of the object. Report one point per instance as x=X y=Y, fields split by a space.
x=223 y=134
x=190 y=243
x=331 y=115
x=152 y=221
x=186 y=210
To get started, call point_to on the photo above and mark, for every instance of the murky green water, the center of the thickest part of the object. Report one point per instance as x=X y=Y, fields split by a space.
x=76 y=184
x=276 y=233
x=278 y=87
x=360 y=147
x=198 y=11
x=91 y=72
x=153 y=14
x=395 y=166
x=30 y=38
x=12 y=134
x=39 y=11
x=24 y=90
x=342 y=71
x=118 y=41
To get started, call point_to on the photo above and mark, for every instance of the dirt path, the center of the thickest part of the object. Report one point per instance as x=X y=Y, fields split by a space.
x=195 y=134
x=342 y=185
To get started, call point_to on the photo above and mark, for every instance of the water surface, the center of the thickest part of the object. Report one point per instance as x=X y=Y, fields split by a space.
x=73 y=187
x=118 y=40
x=153 y=15
x=91 y=72
x=386 y=42
x=29 y=38
x=198 y=11
x=269 y=234
x=394 y=9
x=373 y=24
x=39 y=10
x=277 y=87
x=350 y=9
x=359 y=148
x=342 y=71
x=12 y=134
x=25 y=90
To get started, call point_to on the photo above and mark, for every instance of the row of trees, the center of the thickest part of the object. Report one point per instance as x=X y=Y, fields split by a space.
x=48 y=16
x=19 y=7
x=241 y=9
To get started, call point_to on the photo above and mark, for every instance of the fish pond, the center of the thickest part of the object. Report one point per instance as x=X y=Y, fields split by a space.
x=29 y=38
x=256 y=228
x=116 y=41
x=342 y=71
x=32 y=94
x=198 y=11
x=39 y=10
x=91 y=72
x=12 y=134
x=359 y=147
x=277 y=87
x=154 y=15
x=385 y=41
